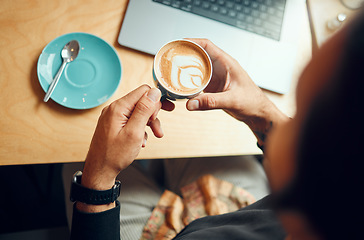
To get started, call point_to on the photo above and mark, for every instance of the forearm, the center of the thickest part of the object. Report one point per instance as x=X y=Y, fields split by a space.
x=119 y=136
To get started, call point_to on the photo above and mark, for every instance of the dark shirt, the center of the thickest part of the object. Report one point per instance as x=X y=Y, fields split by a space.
x=257 y=221
x=104 y=225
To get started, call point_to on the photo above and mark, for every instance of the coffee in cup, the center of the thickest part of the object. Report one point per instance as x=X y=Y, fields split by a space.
x=182 y=69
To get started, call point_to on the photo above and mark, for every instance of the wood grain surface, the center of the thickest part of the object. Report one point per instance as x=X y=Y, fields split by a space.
x=32 y=131
x=323 y=11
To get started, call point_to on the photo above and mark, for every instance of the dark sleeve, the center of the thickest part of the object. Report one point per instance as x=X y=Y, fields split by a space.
x=255 y=222
x=103 y=225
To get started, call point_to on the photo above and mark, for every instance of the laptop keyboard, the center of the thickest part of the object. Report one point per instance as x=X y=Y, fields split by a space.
x=263 y=17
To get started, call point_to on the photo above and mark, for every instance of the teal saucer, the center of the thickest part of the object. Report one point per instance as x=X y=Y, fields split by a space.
x=90 y=80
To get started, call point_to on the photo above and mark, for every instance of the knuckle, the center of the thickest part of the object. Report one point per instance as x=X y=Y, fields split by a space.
x=115 y=107
x=208 y=41
x=144 y=106
x=210 y=102
x=112 y=108
x=104 y=110
x=132 y=135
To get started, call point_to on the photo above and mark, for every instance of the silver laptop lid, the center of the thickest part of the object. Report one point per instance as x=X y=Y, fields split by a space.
x=148 y=25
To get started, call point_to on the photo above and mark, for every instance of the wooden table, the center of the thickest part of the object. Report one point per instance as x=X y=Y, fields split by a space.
x=32 y=131
x=322 y=11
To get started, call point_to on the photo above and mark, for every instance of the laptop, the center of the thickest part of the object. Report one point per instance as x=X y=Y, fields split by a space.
x=262 y=35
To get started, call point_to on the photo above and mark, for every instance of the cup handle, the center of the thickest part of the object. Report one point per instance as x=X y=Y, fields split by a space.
x=163 y=97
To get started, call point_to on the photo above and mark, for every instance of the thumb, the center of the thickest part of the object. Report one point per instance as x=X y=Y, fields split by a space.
x=207 y=101
x=143 y=110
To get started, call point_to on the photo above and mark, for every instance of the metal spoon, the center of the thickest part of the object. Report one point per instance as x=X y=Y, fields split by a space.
x=69 y=53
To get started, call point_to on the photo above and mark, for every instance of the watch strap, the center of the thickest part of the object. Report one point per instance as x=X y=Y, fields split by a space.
x=91 y=196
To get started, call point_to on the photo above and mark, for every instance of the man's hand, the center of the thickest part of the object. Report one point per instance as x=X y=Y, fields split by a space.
x=119 y=136
x=232 y=90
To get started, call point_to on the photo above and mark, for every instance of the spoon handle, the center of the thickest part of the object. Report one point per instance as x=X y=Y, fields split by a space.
x=55 y=81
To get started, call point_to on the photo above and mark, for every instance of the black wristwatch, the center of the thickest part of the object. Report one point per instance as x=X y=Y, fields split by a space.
x=89 y=196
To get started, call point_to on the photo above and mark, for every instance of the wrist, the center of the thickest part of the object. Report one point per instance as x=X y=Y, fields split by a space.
x=262 y=124
x=96 y=175
x=90 y=199
x=97 y=181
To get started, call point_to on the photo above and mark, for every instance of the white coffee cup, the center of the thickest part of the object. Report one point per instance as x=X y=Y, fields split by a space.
x=181 y=69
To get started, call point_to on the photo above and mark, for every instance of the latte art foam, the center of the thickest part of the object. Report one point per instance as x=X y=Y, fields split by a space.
x=183 y=67
x=186 y=72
